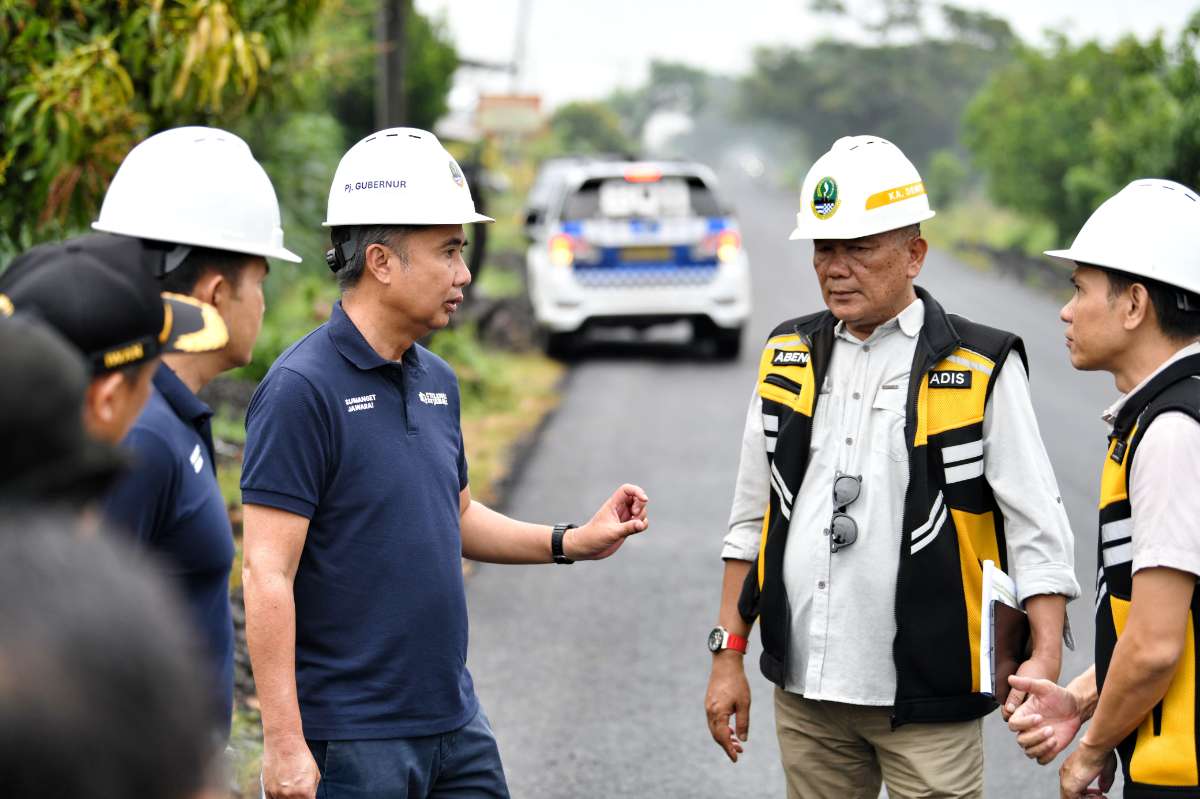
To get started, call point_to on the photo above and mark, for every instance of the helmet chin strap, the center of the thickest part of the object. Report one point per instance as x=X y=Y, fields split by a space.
x=342 y=251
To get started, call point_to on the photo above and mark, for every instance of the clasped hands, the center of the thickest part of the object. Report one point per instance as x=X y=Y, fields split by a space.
x=1046 y=717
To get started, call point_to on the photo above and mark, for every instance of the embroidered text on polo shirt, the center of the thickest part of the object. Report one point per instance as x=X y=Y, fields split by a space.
x=433 y=397
x=363 y=403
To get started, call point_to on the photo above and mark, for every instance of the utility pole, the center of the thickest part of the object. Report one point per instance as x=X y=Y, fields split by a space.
x=390 y=109
x=518 y=65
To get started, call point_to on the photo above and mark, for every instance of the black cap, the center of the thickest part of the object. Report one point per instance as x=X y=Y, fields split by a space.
x=100 y=293
x=47 y=457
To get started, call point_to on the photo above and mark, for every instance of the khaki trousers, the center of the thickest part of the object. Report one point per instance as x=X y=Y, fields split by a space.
x=836 y=751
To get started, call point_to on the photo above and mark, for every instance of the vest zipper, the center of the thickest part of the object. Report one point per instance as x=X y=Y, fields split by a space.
x=807 y=341
x=916 y=378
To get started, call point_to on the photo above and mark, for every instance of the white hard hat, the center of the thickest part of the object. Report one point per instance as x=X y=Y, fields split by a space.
x=864 y=185
x=199 y=187
x=1150 y=228
x=400 y=176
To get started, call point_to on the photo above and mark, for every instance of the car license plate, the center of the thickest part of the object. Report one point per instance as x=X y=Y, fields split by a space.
x=646 y=254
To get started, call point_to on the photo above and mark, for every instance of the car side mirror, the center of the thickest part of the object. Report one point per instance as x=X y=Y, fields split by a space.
x=533 y=218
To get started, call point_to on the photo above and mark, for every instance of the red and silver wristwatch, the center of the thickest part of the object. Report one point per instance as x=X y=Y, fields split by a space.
x=720 y=638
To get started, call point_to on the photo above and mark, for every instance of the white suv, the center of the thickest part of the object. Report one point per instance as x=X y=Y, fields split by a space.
x=637 y=244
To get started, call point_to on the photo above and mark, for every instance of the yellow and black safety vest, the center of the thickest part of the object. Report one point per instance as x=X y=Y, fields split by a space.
x=1161 y=756
x=951 y=520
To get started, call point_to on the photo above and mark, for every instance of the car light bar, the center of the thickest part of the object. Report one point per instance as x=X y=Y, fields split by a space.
x=643 y=174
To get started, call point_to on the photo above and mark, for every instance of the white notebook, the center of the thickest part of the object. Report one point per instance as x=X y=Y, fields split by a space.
x=998 y=588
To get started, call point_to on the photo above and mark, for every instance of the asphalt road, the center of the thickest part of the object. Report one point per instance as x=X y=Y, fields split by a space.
x=594 y=675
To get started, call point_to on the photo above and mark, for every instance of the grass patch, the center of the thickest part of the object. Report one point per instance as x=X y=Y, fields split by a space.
x=974 y=222
x=499 y=282
x=245 y=739
x=229 y=425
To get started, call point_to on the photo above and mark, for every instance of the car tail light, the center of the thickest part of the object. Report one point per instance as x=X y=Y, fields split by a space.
x=562 y=253
x=565 y=250
x=725 y=245
x=729 y=242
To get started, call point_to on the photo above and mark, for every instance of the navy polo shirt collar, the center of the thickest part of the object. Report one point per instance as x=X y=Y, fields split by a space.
x=355 y=349
x=186 y=405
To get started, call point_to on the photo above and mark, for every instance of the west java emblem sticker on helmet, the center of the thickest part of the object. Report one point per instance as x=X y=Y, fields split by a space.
x=457 y=174
x=825 y=201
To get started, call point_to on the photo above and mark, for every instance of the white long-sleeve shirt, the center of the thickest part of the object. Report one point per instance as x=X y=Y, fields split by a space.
x=842 y=604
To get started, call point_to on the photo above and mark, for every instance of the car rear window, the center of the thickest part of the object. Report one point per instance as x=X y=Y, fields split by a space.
x=616 y=198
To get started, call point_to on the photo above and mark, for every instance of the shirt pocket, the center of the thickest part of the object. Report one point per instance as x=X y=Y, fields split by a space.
x=888 y=413
x=823 y=416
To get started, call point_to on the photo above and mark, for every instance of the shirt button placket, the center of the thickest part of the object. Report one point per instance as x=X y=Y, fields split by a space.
x=396 y=373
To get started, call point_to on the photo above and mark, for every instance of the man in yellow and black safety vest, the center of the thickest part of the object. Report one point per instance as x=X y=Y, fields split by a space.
x=889 y=449
x=1136 y=314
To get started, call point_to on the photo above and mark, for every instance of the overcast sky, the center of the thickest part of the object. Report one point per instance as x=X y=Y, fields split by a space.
x=586 y=48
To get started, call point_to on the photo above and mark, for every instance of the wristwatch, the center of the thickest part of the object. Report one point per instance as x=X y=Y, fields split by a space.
x=556 y=543
x=720 y=638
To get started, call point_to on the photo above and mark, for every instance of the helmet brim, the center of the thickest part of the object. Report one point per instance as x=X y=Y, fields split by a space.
x=842 y=232
x=473 y=218
x=1062 y=255
x=279 y=253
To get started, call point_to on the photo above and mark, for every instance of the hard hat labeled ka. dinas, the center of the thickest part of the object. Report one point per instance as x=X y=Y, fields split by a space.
x=864 y=185
x=400 y=176
x=1150 y=228
x=199 y=187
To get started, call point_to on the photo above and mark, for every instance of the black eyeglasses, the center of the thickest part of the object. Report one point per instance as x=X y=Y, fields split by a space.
x=843 y=531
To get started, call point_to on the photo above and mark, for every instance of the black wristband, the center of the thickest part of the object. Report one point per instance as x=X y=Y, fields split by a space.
x=556 y=543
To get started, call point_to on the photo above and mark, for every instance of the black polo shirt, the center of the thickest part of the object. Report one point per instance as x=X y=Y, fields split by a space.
x=171 y=503
x=371 y=452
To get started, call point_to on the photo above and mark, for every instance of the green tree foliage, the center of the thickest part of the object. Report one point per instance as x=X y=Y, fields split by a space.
x=947 y=178
x=1058 y=131
x=589 y=127
x=301 y=132
x=81 y=81
x=671 y=86
x=346 y=40
x=912 y=93
x=879 y=17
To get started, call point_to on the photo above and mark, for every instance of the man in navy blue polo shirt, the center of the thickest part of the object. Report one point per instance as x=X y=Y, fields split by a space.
x=358 y=509
x=213 y=221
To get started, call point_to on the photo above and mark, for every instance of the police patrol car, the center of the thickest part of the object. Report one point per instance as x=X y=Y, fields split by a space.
x=636 y=244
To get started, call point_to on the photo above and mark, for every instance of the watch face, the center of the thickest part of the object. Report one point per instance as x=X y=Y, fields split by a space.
x=715 y=639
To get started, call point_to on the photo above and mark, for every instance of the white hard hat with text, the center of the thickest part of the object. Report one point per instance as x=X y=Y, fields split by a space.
x=400 y=176
x=864 y=185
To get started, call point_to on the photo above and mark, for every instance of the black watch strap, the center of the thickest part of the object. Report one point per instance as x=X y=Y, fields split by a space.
x=556 y=543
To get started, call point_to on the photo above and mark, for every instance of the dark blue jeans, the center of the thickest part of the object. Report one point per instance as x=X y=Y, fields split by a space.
x=462 y=764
